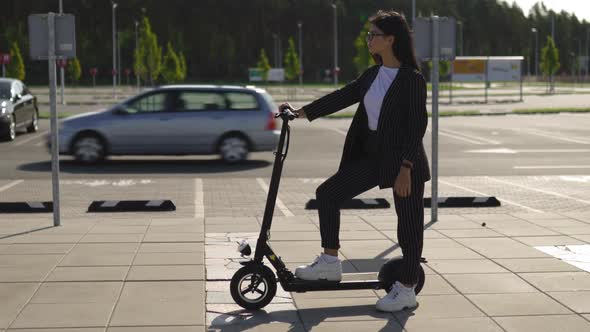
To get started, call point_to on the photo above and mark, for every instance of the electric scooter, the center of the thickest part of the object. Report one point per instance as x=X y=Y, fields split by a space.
x=254 y=285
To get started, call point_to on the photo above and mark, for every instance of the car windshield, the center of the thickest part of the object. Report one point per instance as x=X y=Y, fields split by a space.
x=5 y=90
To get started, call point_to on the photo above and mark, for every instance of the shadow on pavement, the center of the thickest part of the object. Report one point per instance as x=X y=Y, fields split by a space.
x=139 y=166
x=242 y=320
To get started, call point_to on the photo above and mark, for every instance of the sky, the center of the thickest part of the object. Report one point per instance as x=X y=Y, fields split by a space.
x=580 y=7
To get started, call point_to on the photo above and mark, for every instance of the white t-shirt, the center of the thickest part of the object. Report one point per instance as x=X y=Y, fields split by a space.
x=374 y=97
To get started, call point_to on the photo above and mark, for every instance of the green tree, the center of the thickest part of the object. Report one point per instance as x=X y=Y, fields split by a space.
x=171 y=69
x=263 y=64
x=74 y=70
x=16 y=67
x=183 y=69
x=363 y=59
x=444 y=68
x=148 y=57
x=291 y=61
x=550 y=61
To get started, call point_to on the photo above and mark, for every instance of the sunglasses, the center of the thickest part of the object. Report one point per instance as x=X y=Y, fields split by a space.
x=372 y=34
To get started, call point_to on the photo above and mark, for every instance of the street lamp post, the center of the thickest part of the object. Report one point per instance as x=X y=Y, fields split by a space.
x=114 y=52
x=335 y=70
x=299 y=26
x=119 y=58
x=136 y=51
x=460 y=24
x=275 y=51
x=587 y=55
x=534 y=30
x=413 y=12
x=62 y=69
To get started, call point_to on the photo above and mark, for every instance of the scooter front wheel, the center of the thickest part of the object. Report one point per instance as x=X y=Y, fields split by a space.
x=253 y=286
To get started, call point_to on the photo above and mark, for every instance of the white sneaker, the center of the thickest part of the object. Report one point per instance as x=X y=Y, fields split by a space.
x=320 y=269
x=400 y=297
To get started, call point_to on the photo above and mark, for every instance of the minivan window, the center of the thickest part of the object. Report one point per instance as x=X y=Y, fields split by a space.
x=241 y=101
x=155 y=102
x=200 y=101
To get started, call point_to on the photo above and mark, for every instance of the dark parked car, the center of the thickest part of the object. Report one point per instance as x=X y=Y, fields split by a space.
x=18 y=109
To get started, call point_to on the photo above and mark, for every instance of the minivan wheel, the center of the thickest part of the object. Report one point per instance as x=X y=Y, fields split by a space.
x=34 y=126
x=233 y=149
x=88 y=149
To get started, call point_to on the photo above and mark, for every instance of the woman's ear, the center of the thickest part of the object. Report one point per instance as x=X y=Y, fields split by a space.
x=391 y=38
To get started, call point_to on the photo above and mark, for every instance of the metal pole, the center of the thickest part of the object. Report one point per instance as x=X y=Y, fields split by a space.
x=136 y=50
x=587 y=55
x=335 y=44
x=53 y=121
x=299 y=25
x=274 y=40
x=451 y=82
x=413 y=12
x=435 y=60
x=119 y=58
x=3 y=70
x=461 y=37
x=536 y=55
x=553 y=26
x=114 y=54
x=486 y=80
x=62 y=69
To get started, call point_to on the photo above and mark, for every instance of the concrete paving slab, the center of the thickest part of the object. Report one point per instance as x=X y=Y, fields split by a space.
x=518 y=304
x=559 y=281
x=463 y=266
x=551 y=264
x=440 y=306
x=501 y=248
x=578 y=301
x=77 y=292
x=470 y=233
x=168 y=272
x=557 y=240
x=489 y=283
x=562 y=323
x=169 y=258
x=226 y=315
x=88 y=273
x=483 y=324
x=157 y=329
x=160 y=303
x=316 y=311
x=36 y=248
x=64 y=315
x=112 y=238
x=13 y=297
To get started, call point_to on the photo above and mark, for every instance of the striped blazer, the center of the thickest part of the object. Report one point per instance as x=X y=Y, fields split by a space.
x=401 y=126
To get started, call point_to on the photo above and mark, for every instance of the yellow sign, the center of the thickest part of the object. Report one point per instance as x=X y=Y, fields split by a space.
x=470 y=67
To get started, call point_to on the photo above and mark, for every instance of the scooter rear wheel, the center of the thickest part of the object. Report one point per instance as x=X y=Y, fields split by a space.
x=392 y=269
x=253 y=286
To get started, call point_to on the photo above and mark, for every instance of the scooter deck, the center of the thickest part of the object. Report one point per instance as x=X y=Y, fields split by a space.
x=301 y=286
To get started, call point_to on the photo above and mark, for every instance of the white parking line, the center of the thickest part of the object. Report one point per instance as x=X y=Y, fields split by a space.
x=555 y=136
x=539 y=190
x=478 y=138
x=10 y=185
x=340 y=131
x=279 y=203
x=199 y=201
x=457 y=137
x=554 y=167
x=40 y=135
x=484 y=194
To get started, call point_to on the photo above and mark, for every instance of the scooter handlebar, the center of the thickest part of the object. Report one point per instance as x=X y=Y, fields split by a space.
x=286 y=112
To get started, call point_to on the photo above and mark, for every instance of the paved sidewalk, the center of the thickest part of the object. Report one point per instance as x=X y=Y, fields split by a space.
x=172 y=274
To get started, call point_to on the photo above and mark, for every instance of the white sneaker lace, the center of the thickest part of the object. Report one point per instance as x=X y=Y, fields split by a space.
x=315 y=261
x=394 y=292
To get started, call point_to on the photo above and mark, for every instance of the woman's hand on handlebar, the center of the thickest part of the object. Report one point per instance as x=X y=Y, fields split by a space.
x=300 y=113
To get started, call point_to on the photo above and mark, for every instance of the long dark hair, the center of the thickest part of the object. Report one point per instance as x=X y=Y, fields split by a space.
x=395 y=24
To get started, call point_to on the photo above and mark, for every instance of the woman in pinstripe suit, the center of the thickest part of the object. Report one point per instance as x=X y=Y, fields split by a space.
x=383 y=147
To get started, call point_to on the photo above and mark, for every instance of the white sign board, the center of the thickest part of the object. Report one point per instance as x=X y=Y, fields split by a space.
x=501 y=70
x=276 y=75
x=65 y=36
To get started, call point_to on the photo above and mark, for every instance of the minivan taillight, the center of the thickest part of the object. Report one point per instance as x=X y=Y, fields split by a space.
x=271 y=122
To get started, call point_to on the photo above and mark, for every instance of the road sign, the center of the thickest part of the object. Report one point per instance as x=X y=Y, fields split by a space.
x=52 y=37
x=434 y=38
x=4 y=59
x=423 y=38
x=65 y=36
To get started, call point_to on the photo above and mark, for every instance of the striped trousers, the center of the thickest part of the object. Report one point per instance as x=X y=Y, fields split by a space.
x=356 y=178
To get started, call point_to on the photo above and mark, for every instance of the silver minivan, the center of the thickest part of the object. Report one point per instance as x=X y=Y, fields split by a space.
x=176 y=120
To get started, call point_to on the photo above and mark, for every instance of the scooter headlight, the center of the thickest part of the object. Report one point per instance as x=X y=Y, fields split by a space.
x=244 y=248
